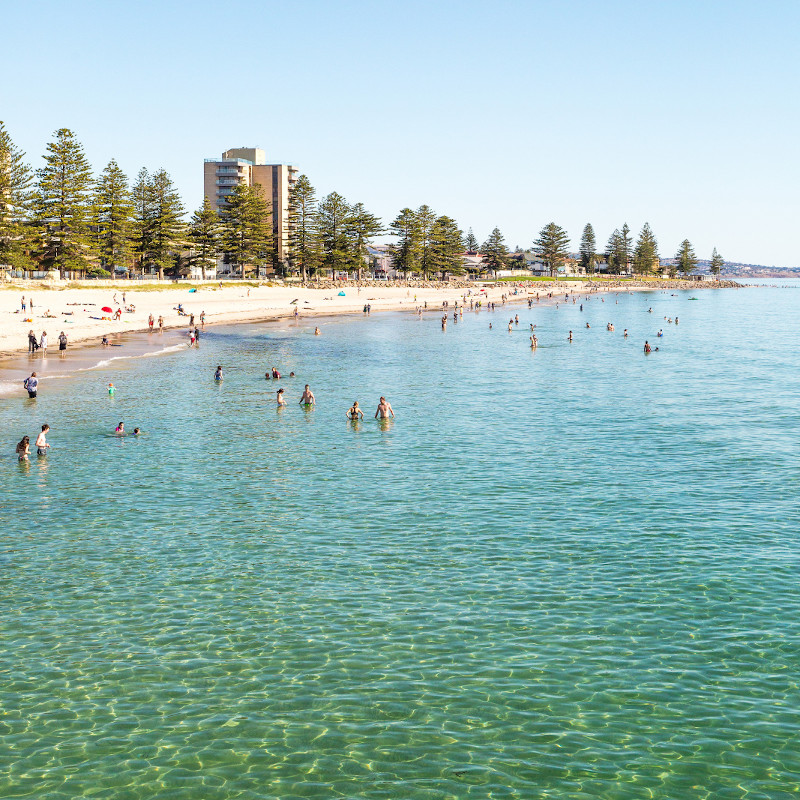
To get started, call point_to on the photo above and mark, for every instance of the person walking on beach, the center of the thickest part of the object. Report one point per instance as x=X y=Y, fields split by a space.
x=41 y=441
x=355 y=412
x=33 y=345
x=191 y=320
x=43 y=343
x=150 y=322
x=160 y=324
x=62 y=343
x=384 y=409
x=31 y=384
x=191 y=337
x=307 y=398
x=23 y=304
x=203 y=319
x=23 y=448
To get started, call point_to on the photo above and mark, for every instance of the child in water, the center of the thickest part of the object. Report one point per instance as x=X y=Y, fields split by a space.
x=218 y=374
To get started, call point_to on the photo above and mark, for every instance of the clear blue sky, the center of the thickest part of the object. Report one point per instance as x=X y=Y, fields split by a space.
x=683 y=114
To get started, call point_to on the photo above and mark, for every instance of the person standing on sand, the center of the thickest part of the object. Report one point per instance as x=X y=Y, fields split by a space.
x=31 y=384
x=191 y=320
x=32 y=343
x=307 y=398
x=150 y=322
x=41 y=441
x=203 y=319
x=384 y=409
x=62 y=343
x=160 y=324
x=43 y=343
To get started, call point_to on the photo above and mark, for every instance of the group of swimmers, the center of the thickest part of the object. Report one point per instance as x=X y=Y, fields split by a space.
x=42 y=445
x=307 y=398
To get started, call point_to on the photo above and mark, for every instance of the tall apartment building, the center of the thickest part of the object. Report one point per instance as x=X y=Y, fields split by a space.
x=248 y=165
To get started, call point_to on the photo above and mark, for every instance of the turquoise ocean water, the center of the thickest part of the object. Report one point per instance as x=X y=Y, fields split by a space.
x=564 y=574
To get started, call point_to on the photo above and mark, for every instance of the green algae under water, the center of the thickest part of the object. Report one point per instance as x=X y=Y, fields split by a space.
x=563 y=574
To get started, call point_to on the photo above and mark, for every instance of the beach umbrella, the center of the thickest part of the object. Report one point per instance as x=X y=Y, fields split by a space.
x=106 y=308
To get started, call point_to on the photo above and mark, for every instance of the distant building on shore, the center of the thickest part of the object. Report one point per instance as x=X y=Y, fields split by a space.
x=248 y=166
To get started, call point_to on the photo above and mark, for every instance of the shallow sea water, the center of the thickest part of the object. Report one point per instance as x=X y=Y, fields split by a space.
x=563 y=574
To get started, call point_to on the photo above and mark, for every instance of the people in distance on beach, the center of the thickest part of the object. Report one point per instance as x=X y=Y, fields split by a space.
x=625 y=333
x=355 y=412
x=218 y=373
x=647 y=347
x=384 y=409
x=23 y=447
x=307 y=398
x=62 y=342
x=31 y=384
x=33 y=345
x=569 y=338
x=161 y=323
x=41 y=441
x=120 y=428
x=23 y=304
x=43 y=343
x=202 y=319
x=280 y=399
x=150 y=322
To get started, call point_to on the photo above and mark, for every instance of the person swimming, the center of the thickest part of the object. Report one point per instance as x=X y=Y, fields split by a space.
x=120 y=428
x=307 y=398
x=136 y=431
x=355 y=412
x=23 y=448
x=218 y=373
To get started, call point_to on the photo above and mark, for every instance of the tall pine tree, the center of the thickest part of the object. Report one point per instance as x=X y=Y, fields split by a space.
x=552 y=246
x=717 y=263
x=686 y=259
x=304 y=251
x=426 y=219
x=333 y=221
x=495 y=252
x=204 y=235
x=167 y=225
x=62 y=203
x=645 y=254
x=447 y=247
x=406 y=250
x=615 y=252
x=112 y=218
x=246 y=238
x=362 y=227
x=15 y=197
x=588 y=249
x=142 y=224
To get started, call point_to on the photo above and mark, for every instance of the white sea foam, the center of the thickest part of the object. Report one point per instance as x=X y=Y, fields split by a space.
x=106 y=361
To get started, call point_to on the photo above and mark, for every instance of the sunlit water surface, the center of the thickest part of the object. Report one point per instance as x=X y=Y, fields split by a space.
x=564 y=574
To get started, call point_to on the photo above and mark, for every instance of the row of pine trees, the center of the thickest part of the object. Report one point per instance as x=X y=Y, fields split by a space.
x=61 y=217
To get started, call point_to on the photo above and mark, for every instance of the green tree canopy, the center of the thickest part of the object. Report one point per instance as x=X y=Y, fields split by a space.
x=645 y=254
x=168 y=227
x=15 y=199
x=552 y=246
x=204 y=237
x=62 y=203
x=447 y=247
x=362 y=227
x=495 y=252
x=333 y=230
x=304 y=249
x=406 y=250
x=112 y=218
x=686 y=259
x=246 y=229
x=717 y=263
x=426 y=219
x=471 y=243
x=588 y=249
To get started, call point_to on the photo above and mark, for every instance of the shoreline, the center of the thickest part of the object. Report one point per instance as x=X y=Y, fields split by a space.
x=242 y=308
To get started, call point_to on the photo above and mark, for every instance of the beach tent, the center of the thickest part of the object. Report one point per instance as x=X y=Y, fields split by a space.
x=342 y=294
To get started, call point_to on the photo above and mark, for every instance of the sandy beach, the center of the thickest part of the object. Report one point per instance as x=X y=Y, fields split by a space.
x=77 y=310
